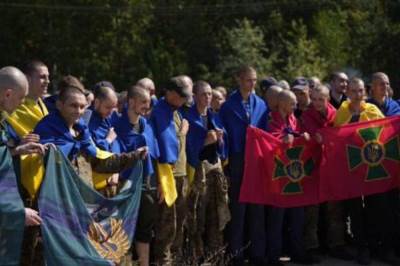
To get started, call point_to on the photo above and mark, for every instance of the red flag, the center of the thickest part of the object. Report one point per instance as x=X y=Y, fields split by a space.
x=276 y=174
x=360 y=159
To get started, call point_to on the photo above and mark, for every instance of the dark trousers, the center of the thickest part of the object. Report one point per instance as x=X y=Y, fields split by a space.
x=247 y=220
x=295 y=218
x=382 y=220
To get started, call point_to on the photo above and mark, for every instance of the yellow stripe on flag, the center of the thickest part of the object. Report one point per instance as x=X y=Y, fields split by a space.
x=167 y=181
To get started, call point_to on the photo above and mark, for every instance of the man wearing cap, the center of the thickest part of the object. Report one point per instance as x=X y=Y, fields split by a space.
x=170 y=131
x=338 y=86
x=301 y=89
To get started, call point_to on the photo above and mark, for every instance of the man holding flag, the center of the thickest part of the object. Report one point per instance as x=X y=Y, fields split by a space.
x=384 y=205
x=353 y=110
x=243 y=109
x=13 y=89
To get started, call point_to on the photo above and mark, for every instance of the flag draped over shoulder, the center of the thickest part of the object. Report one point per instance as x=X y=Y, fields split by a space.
x=360 y=159
x=80 y=226
x=23 y=121
x=12 y=213
x=276 y=174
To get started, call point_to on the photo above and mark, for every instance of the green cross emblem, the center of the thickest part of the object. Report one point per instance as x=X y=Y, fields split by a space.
x=295 y=170
x=373 y=153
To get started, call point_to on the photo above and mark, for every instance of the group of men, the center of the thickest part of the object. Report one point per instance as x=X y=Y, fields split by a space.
x=192 y=143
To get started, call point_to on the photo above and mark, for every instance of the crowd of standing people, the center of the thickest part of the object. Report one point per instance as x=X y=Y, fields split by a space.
x=191 y=139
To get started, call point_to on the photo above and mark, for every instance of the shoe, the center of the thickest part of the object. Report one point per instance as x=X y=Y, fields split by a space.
x=341 y=253
x=302 y=259
x=363 y=256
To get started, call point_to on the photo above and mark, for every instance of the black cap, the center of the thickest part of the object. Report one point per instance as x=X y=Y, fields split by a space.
x=300 y=83
x=266 y=83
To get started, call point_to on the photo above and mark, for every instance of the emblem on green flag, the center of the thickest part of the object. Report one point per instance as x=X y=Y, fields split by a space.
x=373 y=153
x=295 y=170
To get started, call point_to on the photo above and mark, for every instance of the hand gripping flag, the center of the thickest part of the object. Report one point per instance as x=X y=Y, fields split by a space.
x=360 y=159
x=276 y=174
x=80 y=226
x=12 y=214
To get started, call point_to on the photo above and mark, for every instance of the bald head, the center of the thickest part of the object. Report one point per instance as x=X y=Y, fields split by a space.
x=286 y=102
x=380 y=86
x=13 y=78
x=285 y=96
x=105 y=101
x=138 y=92
x=13 y=88
x=147 y=84
x=138 y=100
x=271 y=97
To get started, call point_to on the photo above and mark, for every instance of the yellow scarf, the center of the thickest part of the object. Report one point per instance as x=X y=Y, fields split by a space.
x=167 y=182
x=368 y=112
x=23 y=121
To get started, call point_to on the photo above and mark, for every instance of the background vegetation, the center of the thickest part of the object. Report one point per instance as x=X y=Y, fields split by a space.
x=125 y=40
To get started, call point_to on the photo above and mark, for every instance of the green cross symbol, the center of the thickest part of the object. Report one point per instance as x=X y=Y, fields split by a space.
x=295 y=170
x=373 y=153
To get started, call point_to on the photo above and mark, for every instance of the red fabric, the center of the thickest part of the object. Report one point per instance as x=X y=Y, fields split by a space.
x=357 y=159
x=277 y=125
x=312 y=120
x=260 y=185
x=343 y=175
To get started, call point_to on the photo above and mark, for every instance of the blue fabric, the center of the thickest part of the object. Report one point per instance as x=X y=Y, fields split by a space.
x=11 y=133
x=162 y=120
x=99 y=128
x=130 y=140
x=12 y=212
x=197 y=134
x=69 y=208
x=234 y=118
x=389 y=107
x=153 y=101
x=53 y=129
x=50 y=102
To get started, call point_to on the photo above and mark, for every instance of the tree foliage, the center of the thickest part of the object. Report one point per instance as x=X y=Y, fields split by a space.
x=125 y=40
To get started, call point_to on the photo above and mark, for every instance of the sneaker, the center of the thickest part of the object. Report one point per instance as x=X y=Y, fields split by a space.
x=363 y=256
x=341 y=253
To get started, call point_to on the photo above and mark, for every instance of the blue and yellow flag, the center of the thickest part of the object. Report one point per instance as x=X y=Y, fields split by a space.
x=80 y=226
x=12 y=214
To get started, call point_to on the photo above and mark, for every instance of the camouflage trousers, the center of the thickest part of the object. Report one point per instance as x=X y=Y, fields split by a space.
x=169 y=228
x=208 y=210
x=334 y=229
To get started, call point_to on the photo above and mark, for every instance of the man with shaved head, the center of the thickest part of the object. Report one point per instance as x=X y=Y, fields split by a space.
x=339 y=83
x=148 y=84
x=134 y=131
x=33 y=109
x=384 y=206
x=13 y=89
x=101 y=122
